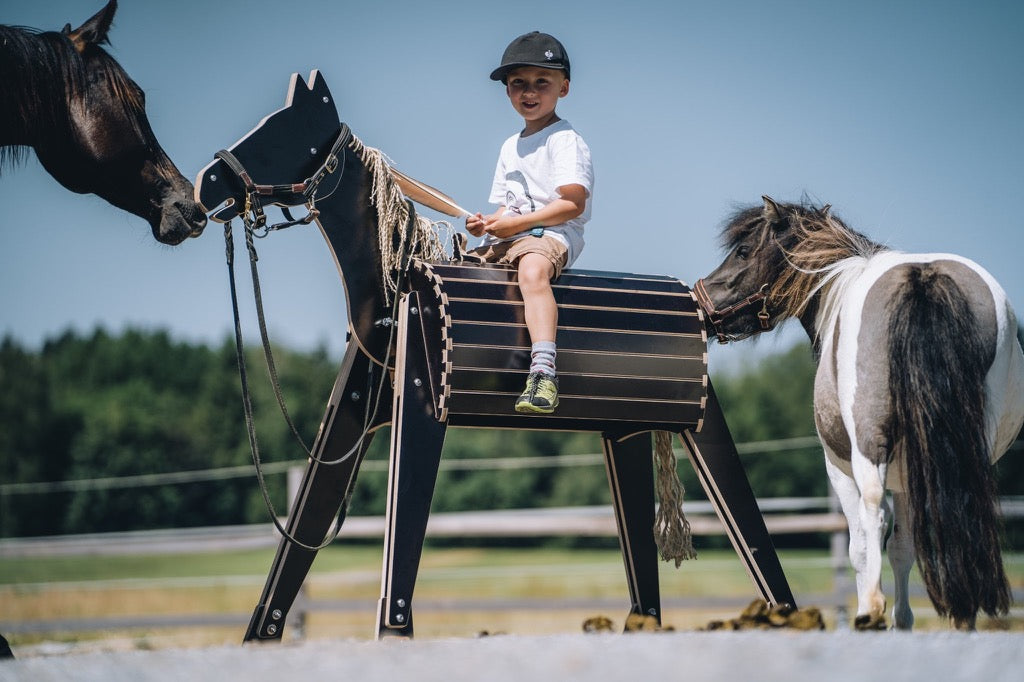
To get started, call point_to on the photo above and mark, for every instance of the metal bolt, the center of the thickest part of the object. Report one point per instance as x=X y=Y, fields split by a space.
x=653 y=612
x=326 y=99
x=276 y=614
x=413 y=310
x=417 y=382
x=213 y=177
x=356 y=396
x=399 y=618
x=312 y=150
x=401 y=603
x=271 y=629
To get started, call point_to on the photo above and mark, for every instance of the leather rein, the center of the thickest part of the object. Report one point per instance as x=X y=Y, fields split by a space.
x=717 y=316
x=255 y=224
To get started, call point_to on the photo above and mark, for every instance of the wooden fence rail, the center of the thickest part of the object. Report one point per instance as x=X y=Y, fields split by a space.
x=783 y=516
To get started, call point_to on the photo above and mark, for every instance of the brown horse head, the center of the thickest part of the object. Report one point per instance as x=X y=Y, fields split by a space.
x=86 y=120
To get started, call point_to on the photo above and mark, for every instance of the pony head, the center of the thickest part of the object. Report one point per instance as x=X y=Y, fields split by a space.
x=778 y=255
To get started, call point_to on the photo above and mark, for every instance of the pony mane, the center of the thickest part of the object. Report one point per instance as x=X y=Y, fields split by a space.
x=42 y=71
x=823 y=247
x=427 y=238
x=818 y=248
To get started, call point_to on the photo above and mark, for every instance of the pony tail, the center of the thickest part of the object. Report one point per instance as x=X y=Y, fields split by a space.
x=937 y=379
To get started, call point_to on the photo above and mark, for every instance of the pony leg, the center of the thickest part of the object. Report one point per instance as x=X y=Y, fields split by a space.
x=900 y=548
x=873 y=514
x=849 y=500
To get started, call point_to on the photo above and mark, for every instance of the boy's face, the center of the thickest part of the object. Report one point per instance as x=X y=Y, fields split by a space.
x=534 y=91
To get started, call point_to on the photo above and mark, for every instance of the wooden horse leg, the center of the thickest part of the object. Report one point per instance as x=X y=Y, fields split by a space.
x=417 y=438
x=5 y=649
x=630 y=470
x=720 y=471
x=323 y=489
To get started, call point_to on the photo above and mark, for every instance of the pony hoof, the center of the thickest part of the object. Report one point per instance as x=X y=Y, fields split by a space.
x=869 y=622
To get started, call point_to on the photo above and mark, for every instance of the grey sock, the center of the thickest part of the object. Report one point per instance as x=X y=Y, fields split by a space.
x=542 y=356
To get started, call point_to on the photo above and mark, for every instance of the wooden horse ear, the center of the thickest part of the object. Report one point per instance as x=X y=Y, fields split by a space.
x=94 y=31
x=772 y=213
x=826 y=211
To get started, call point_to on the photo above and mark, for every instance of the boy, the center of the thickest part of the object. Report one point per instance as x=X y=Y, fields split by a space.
x=543 y=184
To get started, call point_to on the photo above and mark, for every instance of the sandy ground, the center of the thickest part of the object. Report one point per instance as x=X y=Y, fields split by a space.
x=690 y=656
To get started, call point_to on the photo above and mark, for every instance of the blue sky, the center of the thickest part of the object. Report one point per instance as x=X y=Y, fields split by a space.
x=906 y=117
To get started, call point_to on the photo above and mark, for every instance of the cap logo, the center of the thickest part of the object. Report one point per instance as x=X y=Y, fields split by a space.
x=549 y=54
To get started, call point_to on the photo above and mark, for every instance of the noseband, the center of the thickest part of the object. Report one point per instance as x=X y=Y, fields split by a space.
x=716 y=317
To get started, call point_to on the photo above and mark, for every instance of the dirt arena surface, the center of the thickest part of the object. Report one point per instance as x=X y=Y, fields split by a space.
x=690 y=656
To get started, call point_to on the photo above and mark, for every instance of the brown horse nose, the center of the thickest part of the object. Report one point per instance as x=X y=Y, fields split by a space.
x=193 y=214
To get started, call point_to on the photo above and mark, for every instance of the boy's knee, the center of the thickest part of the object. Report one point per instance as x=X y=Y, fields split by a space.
x=535 y=271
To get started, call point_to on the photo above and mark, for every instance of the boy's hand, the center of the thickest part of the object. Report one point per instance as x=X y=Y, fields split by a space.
x=475 y=224
x=502 y=226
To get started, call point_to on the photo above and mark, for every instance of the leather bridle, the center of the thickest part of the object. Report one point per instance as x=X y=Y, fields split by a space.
x=716 y=316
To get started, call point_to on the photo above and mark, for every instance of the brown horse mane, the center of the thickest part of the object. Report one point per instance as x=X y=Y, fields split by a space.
x=42 y=72
x=812 y=248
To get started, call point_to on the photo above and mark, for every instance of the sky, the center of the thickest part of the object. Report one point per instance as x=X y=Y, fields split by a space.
x=906 y=117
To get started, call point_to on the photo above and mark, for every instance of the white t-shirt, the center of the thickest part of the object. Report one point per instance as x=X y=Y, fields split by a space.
x=529 y=171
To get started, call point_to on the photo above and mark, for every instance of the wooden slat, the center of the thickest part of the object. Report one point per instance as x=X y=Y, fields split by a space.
x=580 y=278
x=580 y=408
x=679 y=302
x=592 y=362
x=504 y=312
x=572 y=385
x=571 y=339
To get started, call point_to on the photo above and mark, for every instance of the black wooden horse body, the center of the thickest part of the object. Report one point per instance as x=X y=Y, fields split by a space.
x=632 y=353
x=67 y=99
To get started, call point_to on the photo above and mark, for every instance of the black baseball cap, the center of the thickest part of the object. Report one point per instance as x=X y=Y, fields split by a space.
x=532 y=49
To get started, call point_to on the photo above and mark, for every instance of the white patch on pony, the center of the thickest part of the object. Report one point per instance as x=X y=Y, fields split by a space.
x=845 y=287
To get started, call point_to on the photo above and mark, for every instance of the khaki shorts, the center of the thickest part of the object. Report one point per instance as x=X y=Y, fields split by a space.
x=510 y=252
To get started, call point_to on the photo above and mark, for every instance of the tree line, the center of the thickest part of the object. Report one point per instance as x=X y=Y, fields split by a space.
x=97 y=405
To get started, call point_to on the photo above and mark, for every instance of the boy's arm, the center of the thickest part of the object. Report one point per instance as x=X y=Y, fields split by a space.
x=571 y=203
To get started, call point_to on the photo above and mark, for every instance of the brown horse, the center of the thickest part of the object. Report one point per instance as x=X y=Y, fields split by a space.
x=70 y=101
x=62 y=95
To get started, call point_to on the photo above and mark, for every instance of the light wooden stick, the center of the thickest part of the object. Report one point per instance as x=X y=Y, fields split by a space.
x=428 y=196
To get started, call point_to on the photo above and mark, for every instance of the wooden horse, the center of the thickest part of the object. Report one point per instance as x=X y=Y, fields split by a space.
x=919 y=388
x=67 y=99
x=632 y=351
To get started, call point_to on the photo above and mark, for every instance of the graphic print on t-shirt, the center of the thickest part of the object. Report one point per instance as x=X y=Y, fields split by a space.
x=511 y=202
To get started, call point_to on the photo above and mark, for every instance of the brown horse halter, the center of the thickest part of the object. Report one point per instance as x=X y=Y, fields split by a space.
x=716 y=317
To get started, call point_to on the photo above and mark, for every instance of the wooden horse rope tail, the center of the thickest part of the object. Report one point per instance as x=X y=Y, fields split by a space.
x=672 y=531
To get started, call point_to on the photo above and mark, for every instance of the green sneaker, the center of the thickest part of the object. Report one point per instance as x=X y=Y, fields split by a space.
x=540 y=395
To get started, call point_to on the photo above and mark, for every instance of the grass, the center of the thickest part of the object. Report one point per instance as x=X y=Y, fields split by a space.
x=452 y=593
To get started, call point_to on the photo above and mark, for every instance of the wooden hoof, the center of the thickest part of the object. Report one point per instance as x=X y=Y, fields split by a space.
x=636 y=622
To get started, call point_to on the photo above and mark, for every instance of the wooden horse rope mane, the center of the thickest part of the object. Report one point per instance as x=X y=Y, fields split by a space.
x=427 y=239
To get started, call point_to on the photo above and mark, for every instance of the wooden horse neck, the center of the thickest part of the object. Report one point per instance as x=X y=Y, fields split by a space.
x=349 y=224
